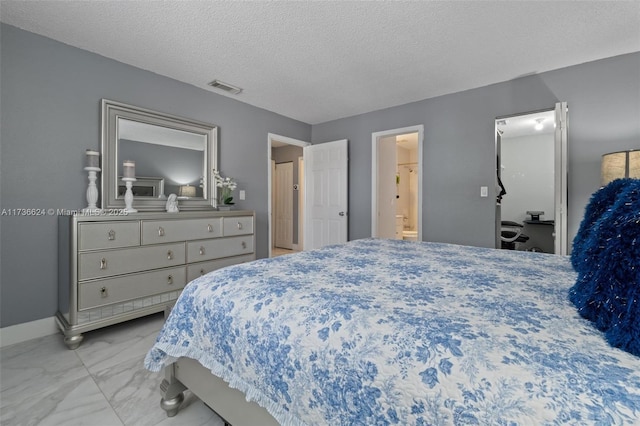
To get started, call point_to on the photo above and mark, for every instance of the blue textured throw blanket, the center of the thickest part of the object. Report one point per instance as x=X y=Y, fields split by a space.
x=606 y=255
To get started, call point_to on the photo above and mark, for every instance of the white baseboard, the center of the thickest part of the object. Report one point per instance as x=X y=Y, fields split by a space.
x=27 y=330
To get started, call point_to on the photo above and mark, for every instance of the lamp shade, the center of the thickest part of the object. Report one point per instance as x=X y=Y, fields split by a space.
x=621 y=164
x=187 y=191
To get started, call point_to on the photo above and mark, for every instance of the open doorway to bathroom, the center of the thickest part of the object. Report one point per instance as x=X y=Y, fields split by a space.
x=396 y=206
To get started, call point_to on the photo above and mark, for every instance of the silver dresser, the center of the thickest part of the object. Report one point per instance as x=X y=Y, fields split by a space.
x=116 y=268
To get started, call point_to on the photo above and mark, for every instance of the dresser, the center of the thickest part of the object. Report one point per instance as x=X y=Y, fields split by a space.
x=116 y=268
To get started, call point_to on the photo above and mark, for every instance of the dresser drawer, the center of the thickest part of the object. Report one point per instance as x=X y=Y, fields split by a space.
x=220 y=247
x=100 y=235
x=239 y=225
x=113 y=290
x=196 y=270
x=167 y=231
x=106 y=263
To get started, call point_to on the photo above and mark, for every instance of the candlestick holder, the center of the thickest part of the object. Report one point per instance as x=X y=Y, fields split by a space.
x=92 y=191
x=128 y=195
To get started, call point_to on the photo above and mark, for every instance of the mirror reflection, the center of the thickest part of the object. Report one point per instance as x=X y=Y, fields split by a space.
x=172 y=155
x=526 y=153
x=168 y=161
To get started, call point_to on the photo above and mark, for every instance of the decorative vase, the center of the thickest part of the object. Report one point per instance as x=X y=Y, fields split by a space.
x=225 y=207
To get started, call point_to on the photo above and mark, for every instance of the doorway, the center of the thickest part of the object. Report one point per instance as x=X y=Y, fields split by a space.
x=283 y=205
x=396 y=181
x=286 y=200
x=531 y=172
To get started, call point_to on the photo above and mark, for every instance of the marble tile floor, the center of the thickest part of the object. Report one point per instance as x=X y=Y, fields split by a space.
x=102 y=383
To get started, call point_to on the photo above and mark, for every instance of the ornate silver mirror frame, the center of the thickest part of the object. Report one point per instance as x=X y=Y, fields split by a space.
x=175 y=139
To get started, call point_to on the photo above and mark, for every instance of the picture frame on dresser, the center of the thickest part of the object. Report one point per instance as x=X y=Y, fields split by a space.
x=114 y=268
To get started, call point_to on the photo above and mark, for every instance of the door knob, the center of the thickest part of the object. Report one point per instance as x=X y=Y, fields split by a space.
x=341 y=214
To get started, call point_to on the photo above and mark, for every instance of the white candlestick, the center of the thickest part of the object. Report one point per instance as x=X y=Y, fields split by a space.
x=129 y=169
x=128 y=195
x=93 y=163
x=92 y=192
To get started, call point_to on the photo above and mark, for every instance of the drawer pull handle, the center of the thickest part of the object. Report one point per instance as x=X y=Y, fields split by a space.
x=112 y=235
x=201 y=272
x=201 y=251
x=244 y=245
x=210 y=228
x=169 y=255
x=170 y=279
x=103 y=292
x=160 y=231
x=239 y=225
x=103 y=263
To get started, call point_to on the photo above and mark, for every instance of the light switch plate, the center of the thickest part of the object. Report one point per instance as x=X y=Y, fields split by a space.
x=484 y=191
x=242 y=194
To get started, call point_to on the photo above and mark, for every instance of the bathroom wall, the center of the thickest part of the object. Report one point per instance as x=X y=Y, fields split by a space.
x=406 y=204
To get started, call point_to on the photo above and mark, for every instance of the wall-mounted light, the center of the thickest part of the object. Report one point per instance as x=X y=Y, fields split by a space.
x=539 y=125
x=621 y=164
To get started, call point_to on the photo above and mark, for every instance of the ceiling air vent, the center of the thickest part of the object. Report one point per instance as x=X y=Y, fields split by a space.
x=226 y=87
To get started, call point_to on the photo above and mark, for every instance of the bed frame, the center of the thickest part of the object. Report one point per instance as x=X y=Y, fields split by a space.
x=230 y=404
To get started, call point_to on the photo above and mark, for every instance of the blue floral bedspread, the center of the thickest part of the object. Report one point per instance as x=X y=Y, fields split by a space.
x=379 y=332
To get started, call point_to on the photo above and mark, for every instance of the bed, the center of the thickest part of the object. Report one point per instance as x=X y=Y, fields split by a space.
x=381 y=332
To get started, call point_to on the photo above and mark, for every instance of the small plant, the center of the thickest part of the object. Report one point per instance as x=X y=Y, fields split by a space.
x=227 y=186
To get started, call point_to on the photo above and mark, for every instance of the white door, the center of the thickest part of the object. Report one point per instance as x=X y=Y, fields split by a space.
x=500 y=191
x=300 y=204
x=561 y=159
x=272 y=217
x=284 y=205
x=387 y=188
x=326 y=180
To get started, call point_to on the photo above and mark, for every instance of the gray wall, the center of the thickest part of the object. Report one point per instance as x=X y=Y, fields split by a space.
x=604 y=116
x=50 y=102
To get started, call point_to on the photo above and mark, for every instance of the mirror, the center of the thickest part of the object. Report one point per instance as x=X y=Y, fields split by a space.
x=531 y=181
x=172 y=155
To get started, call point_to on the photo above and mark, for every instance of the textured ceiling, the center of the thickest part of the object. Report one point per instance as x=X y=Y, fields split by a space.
x=318 y=61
